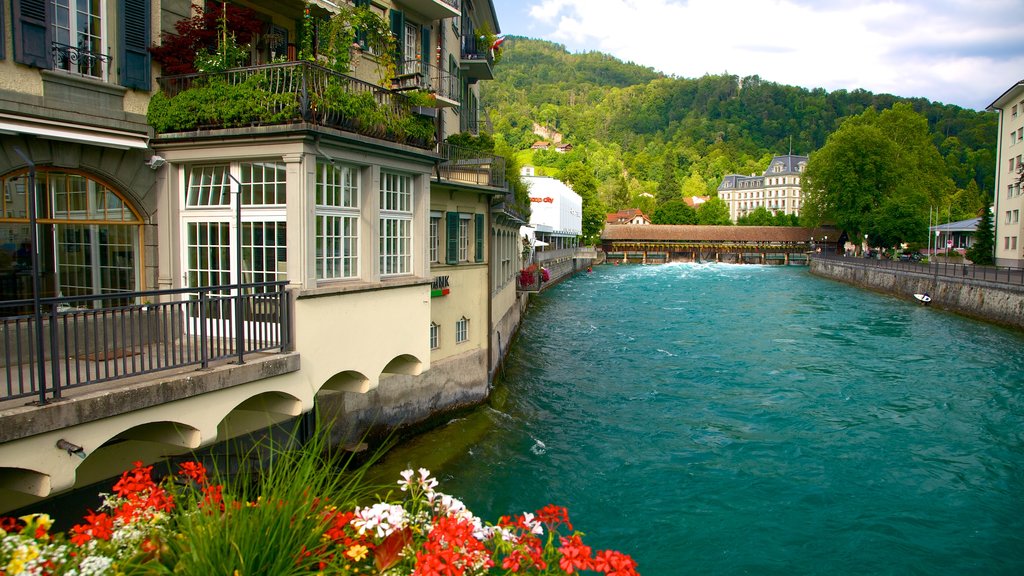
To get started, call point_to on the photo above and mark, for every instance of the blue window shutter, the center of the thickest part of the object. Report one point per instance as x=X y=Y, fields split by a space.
x=398 y=29
x=452 y=240
x=425 y=58
x=32 y=35
x=134 y=44
x=479 y=225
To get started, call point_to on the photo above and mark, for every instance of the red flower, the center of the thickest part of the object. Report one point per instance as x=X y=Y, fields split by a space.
x=554 y=515
x=614 y=563
x=134 y=481
x=575 y=554
x=99 y=526
x=193 y=470
x=11 y=525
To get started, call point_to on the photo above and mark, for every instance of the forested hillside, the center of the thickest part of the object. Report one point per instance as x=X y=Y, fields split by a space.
x=646 y=138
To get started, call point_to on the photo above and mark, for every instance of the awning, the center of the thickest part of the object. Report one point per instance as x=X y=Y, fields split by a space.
x=61 y=131
x=539 y=243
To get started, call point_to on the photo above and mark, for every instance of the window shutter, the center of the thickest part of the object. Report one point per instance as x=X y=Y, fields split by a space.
x=479 y=237
x=3 y=33
x=361 y=33
x=134 y=44
x=452 y=239
x=32 y=36
x=398 y=29
x=425 y=58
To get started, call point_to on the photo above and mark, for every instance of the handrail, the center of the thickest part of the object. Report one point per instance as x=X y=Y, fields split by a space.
x=104 y=337
x=471 y=166
x=286 y=92
x=1009 y=277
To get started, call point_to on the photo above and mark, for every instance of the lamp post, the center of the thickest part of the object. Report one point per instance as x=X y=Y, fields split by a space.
x=37 y=311
x=867 y=247
x=824 y=249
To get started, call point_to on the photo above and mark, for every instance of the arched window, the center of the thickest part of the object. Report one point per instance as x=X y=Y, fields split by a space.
x=89 y=237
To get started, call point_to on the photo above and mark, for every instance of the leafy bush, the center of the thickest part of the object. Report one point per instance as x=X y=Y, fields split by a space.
x=218 y=103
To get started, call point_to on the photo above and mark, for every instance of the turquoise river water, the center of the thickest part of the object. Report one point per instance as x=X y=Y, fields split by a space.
x=723 y=419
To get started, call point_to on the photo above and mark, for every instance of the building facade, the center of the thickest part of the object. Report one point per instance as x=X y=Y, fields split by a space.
x=326 y=207
x=777 y=189
x=1009 y=202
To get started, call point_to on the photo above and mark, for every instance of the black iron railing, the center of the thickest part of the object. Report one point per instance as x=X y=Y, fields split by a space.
x=284 y=93
x=470 y=166
x=1011 y=277
x=99 y=338
x=79 y=60
x=417 y=75
x=476 y=49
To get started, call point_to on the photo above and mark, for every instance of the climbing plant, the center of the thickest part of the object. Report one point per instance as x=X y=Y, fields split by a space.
x=337 y=40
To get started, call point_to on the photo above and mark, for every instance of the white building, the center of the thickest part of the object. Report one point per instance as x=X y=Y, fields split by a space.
x=777 y=189
x=556 y=219
x=1009 y=175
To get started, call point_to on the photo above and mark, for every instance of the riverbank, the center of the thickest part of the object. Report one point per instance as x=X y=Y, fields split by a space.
x=992 y=301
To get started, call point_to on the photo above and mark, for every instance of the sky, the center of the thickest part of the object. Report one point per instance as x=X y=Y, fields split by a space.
x=963 y=52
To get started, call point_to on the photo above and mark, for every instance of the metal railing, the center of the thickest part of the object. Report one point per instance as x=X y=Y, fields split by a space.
x=99 y=338
x=417 y=75
x=471 y=167
x=79 y=60
x=304 y=91
x=476 y=49
x=1010 y=277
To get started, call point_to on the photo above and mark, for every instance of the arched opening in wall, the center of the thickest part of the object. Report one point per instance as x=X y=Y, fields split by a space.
x=405 y=364
x=347 y=381
x=257 y=413
x=90 y=238
x=22 y=481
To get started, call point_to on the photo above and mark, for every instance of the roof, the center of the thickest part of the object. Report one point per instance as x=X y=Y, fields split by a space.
x=1006 y=97
x=541 y=144
x=625 y=216
x=970 y=225
x=790 y=165
x=697 y=233
x=694 y=201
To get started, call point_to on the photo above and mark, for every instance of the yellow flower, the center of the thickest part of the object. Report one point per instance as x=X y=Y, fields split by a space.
x=357 y=552
x=21 y=556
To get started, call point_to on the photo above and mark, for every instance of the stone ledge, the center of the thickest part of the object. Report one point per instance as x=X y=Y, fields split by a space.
x=111 y=399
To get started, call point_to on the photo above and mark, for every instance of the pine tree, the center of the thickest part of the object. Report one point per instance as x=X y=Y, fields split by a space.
x=981 y=252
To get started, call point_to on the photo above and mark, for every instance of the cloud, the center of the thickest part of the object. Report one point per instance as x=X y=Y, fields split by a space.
x=906 y=47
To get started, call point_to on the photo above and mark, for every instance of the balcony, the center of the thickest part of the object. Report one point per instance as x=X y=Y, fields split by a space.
x=287 y=93
x=78 y=60
x=467 y=166
x=434 y=9
x=88 y=340
x=415 y=75
x=477 y=61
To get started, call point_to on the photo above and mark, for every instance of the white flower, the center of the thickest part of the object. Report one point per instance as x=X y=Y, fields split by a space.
x=383 y=518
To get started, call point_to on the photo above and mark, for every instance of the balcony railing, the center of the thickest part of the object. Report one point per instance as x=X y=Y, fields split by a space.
x=416 y=75
x=286 y=93
x=477 y=59
x=99 y=338
x=79 y=60
x=471 y=167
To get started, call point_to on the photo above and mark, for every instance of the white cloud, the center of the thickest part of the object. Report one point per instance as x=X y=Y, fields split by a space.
x=954 y=51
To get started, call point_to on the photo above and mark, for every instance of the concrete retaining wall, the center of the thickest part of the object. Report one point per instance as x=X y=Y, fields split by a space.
x=988 y=301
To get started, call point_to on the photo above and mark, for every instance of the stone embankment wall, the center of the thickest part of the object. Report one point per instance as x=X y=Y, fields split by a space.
x=990 y=301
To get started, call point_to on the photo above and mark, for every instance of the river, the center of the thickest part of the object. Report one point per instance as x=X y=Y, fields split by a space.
x=741 y=419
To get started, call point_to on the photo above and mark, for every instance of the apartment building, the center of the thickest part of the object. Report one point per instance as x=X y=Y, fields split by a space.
x=1009 y=203
x=289 y=203
x=777 y=189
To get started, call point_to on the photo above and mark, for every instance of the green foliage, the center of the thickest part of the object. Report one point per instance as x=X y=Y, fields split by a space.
x=581 y=179
x=674 y=212
x=878 y=174
x=345 y=34
x=714 y=212
x=638 y=130
x=759 y=216
x=215 y=102
x=984 y=247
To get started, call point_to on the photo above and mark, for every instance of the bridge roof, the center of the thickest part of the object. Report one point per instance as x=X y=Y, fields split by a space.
x=696 y=233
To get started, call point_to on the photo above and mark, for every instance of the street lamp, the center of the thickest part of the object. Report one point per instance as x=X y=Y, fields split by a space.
x=824 y=249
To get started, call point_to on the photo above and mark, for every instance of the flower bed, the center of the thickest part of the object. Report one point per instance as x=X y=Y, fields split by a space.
x=189 y=524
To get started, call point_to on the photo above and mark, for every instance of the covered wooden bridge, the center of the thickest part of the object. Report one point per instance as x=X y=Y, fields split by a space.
x=656 y=243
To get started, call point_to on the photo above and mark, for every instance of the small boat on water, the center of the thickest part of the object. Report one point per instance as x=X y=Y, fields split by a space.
x=923 y=298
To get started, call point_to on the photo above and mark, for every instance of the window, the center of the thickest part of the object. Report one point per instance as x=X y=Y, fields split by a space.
x=435 y=240
x=337 y=221
x=461 y=330
x=89 y=237
x=1013 y=242
x=209 y=222
x=1013 y=137
x=1006 y=242
x=78 y=37
x=463 y=237
x=1016 y=216
x=1008 y=216
x=1014 y=111
x=395 y=224
x=434 y=340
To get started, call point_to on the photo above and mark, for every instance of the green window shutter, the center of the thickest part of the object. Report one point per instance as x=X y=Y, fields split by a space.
x=134 y=44
x=425 y=48
x=452 y=240
x=398 y=29
x=479 y=237
x=32 y=32
x=3 y=33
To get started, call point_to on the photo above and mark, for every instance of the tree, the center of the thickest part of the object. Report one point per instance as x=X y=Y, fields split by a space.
x=668 y=185
x=695 y=186
x=877 y=174
x=758 y=217
x=581 y=180
x=714 y=212
x=674 y=212
x=983 y=250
